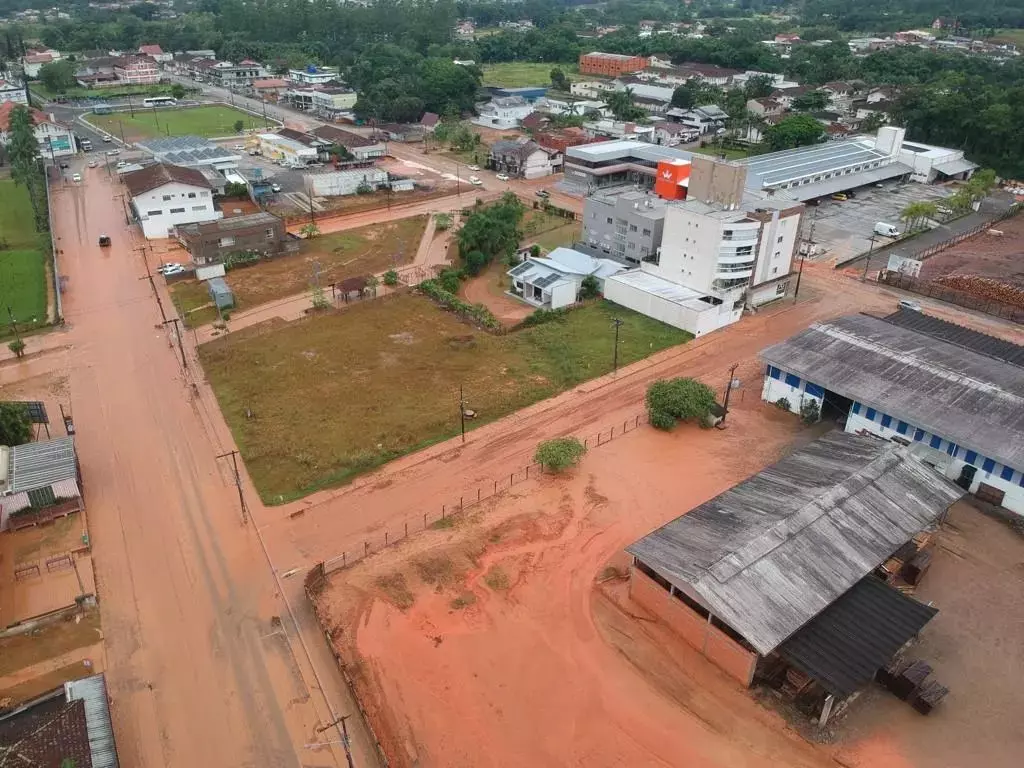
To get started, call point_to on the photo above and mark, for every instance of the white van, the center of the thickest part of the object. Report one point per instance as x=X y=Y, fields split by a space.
x=475 y=181
x=886 y=230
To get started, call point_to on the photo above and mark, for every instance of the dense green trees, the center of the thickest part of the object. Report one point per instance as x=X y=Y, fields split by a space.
x=26 y=164
x=491 y=232
x=58 y=76
x=794 y=131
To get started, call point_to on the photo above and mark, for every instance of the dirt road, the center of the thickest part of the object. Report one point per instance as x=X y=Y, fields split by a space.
x=200 y=670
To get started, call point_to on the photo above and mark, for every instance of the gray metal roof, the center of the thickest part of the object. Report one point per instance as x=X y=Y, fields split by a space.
x=961 y=395
x=848 y=181
x=35 y=465
x=186 y=150
x=92 y=691
x=780 y=167
x=625 y=148
x=773 y=552
x=968 y=338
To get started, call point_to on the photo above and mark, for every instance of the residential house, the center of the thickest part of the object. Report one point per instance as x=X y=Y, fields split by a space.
x=55 y=139
x=617 y=129
x=360 y=147
x=34 y=59
x=655 y=99
x=313 y=75
x=137 y=70
x=156 y=53
x=397 y=132
x=562 y=139
x=12 y=92
x=610 y=64
x=553 y=281
x=840 y=95
x=523 y=158
x=40 y=481
x=765 y=107
x=503 y=112
x=667 y=76
x=429 y=121
x=166 y=196
x=268 y=89
x=707 y=119
x=669 y=134
x=465 y=29
x=885 y=93
x=712 y=75
x=591 y=89
x=210 y=242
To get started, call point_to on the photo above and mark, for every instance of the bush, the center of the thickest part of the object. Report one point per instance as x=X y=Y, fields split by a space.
x=542 y=316
x=233 y=189
x=535 y=250
x=559 y=454
x=450 y=279
x=391 y=277
x=364 y=189
x=783 y=404
x=240 y=259
x=809 y=411
x=15 y=424
x=448 y=300
x=17 y=347
x=589 y=288
x=476 y=262
x=673 y=400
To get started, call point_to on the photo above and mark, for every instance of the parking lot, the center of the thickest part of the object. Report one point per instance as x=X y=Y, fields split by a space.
x=843 y=228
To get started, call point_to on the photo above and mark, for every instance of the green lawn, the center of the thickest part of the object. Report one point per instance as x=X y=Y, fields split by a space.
x=23 y=257
x=209 y=122
x=338 y=394
x=1015 y=36
x=548 y=231
x=518 y=74
x=102 y=94
x=731 y=153
x=192 y=300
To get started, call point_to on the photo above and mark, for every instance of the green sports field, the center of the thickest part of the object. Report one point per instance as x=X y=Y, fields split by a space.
x=22 y=262
x=208 y=122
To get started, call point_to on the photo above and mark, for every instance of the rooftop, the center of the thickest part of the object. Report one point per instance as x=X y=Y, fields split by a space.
x=611 y=56
x=967 y=338
x=347 y=139
x=645 y=204
x=35 y=465
x=186 y=150
x=230 y=224
x=965 y=395
x=154 y=176
x=787 y=165
x=773 y=552
x=603 y=151
x=664 y=289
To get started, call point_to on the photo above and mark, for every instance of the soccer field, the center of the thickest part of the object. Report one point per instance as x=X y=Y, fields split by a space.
x=521 y=74
x=22 y=261
x=208 y=122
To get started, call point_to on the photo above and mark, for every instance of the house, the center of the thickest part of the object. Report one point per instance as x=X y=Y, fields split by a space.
x=69 y=726
x=535 y=121
x=553 y=281
x=35 y=59
x=156 y=53
x=885 y=93
x=950 y=393
x=289 y=147
x=360 y=147
x=709 y=118
x=55 y=139
x=610 y=64
x=12 y=92
x=523 y=158
x=503 y=112
x=945 y=22
x=654 y=99
x=591 y=89
x=313 y=75
x=712 y=75
x=39 y=482
x=778 y=571
x=210 y=242
x=268 y=88
x=165 y=196
x=669 y=134
x=429 y=121
x=617 y=129
x=786 y=96
x=137 y=70
x=765 y=106
x=840 y=94
x=465 y=29
x=228 y=75
x=334 y=102
x=397 y=132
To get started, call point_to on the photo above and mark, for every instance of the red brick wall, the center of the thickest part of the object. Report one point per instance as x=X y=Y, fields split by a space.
x=728 y=655
x=599 y=65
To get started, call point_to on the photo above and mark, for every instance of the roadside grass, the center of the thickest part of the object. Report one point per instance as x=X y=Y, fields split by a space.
x=339 y=255
x=37 y=686
x=395 y=588
x=193 y=302
x=23 y=258
x=208 y=122
x=548 y=231
x=520 y=74
x=337 y=394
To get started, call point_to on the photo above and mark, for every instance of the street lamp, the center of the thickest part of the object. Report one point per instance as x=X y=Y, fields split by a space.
x=615 y=358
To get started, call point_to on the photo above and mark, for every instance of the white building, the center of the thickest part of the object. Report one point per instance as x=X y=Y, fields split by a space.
x=337 y=183
x=12 y=92
x=33 y=61
x=955 y=395
x=707 y=119
x=503 y=112
x=164 y=196
x=591 y=89
x=286 y=151
x=553 y=281
x=55 y=139
x=312 y=75
x=334 y=102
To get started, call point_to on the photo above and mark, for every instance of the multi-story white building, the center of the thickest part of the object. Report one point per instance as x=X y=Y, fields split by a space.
x=503 y=112
x=333 y=101
x=164 y=196
x=313 y=75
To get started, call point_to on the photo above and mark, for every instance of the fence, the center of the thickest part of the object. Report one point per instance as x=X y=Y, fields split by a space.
x=951 y=295
x=445 y=517
x=58 y=284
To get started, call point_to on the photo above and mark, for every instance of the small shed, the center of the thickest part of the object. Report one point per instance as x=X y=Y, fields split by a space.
x=221 y=293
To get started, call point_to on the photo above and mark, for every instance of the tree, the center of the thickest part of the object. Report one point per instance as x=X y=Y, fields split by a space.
x=684 y=97
x=873 y=122
x=917 y=214
x=621 y=105
x=319 y=299
x=814 y=101
x=758 y=86
x=371 y=284
x=589 y=288
x=794 y=131
x=309 y=231
x=178 y=91
x=391 y=278
x=15 y=424
x=809 y=411
x=239 y=126
x=559 y=454
x=442 y=221
x=672 y=400
x=558 y=80
x=26 y=166
x=58 y=76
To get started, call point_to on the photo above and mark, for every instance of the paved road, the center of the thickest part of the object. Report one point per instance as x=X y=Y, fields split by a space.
x=201 y=670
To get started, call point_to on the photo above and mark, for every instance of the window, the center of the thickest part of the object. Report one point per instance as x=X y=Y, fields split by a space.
x=901 y=428
x=204 y=194
x=793 y=381
x=167 y=197
x=608 y=220
x=631 y=246
x=226 y=241
x=270 y=234
x=870 y=415
x=952 y=449
x=774 y=372
x=1006 y=474
x=644 y=250
x=988 y=466
x=198 y=207
x=935 y=442
x=154 y=213
x=646 y=233
x=191 y=195
x=814 y=390
x=775 y=270
x=777 y=254
x=632 y=227
x=918 y=435
x=177 y=210
x=970 y=457
x=781 y=238
x=856 y=408
x=886 y=420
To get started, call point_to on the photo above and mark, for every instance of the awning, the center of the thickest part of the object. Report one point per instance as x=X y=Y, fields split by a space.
x=849 y=181
x=844 y=645
x=953 y=167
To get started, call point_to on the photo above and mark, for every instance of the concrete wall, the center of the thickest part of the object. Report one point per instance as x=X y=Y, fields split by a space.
x=669 y=312
x=716 y=181
x=336 y=183
x=724 y=652
x=779 y=384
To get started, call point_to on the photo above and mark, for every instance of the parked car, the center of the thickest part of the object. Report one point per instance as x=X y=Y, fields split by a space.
x=104 y=241
x=76 y=177
x=275 y=187
x=92 y=163
x=473 y=167
x=475 y=181
x=839 y=196
x=502 y=177
x=886 y=230
x=107 y=139
x=908 y=304
x=64 y=166
x=542 y=193
x=121 y=163
x=170 y=268
x=113 y=152
x=239 y=147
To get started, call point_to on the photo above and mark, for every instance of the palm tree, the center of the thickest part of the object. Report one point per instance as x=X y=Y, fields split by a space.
x=917 y=214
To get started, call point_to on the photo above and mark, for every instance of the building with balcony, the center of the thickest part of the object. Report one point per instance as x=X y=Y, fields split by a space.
x=623 y=224
x=503 y=112
x=313 y=75
x=333 y=102
x=137 y=70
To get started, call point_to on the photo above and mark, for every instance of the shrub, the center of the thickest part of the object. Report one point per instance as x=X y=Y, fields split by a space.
x=535 y=250
x=234 y=189
x=783 y=404
x=442 y=221
x=542 y=316
x=809 y=411
x=450 y=279
x=364 y=188
x=17 y=347
x=476 y=262
x=589 y=288
x=476 y=312
x=239 y=126
x=391 y=277
x=15 y=424
x=559 y=454
x=672 y=400
x=240 y=259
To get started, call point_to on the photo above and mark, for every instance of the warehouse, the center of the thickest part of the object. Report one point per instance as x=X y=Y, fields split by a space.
x=955 y=395
x=777 y=571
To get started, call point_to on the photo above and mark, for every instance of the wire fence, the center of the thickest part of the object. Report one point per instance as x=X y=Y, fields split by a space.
x=447 y=515
x=951 y=295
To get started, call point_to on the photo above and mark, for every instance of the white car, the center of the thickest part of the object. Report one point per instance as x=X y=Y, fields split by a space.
x=113 y=152
x=121 y=163
x=107 y=139
x=502 y=177
x=170 y=269
x=473 y=167
x=76 y=177
x=275 y=187
x=239 y=147
x=475 y=181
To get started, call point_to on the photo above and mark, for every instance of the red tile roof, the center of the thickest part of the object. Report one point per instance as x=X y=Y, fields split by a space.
x=151 y=50
x=8 y=106
x=155 y=176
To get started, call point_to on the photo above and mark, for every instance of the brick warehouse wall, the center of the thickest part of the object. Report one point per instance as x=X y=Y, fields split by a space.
x=724 y=652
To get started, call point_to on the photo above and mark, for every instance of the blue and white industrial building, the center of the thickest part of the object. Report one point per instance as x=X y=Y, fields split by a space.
x=954 y=394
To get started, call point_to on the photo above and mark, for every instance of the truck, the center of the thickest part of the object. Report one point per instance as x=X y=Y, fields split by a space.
x=86 y=145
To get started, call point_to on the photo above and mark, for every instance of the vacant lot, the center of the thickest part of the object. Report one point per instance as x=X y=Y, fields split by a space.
x=209 y=122
x=365 y=251
x=192 y=300
x=337 y=394
x=519 y=74
x=997 y=257
x=22 y=261
x=548 y=231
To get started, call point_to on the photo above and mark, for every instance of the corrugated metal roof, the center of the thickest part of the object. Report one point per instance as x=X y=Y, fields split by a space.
x=34 y=465
x=961 y=395
x=951 y=167
x=847 y=643
x=841 y=183
x=990 y=346
x=787 y=165
x=773 y=552
x=92 y=691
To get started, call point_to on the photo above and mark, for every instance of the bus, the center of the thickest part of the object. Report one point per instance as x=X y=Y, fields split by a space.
x=160 y=101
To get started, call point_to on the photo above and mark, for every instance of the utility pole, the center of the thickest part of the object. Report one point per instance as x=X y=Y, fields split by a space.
x=728 y=391
x=462 y=413
x=867 y=261
x=615 y=358
x=14 y=326
x=181 y=346
x=808 y=243
x=238 y=485
x=344 y=737
x=120 y=125
x=131 y=107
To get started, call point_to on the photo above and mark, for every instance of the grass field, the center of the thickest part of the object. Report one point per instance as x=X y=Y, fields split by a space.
x=355 y=252
x=549 y=232
x=519 y=74
x=192 y=299
x=1013 y=35
x=208 y=122
x=104 y=93
x=731 y=153
x=338 y=394
x=22 y=261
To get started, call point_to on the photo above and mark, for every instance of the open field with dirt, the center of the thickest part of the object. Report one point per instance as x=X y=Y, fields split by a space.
x=340 y=393
x=209 y=122
x=997 y=257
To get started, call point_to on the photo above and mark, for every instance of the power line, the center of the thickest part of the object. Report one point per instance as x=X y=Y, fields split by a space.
x=238 y=485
